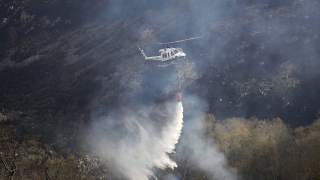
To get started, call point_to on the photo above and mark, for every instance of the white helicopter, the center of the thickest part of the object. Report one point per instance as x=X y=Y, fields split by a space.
x=168 y=52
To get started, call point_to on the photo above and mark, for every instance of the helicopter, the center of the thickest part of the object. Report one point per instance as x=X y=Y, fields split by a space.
x=168 y=52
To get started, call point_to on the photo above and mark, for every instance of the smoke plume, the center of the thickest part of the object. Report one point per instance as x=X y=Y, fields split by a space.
x=133 y=141
x=201 y=152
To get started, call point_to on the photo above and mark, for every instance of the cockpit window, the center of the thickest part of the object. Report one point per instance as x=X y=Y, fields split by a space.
x=176 y=51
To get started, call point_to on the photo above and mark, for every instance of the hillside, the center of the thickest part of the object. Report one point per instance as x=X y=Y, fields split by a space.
x=66 y=64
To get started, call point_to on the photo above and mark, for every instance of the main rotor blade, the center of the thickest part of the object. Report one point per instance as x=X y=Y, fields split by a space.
x=181 y=40
x=173 y=41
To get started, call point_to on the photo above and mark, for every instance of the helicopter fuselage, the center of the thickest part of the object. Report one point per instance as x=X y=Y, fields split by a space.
x=166 y=54
x=171 y=53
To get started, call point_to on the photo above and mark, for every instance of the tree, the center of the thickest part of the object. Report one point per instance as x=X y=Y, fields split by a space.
x=185 y=73
x=24 y=157
x=307 y=159
x=13 y=36
x=24 y=18
x=253 y=146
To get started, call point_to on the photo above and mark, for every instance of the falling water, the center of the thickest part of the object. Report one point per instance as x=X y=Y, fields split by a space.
x=146 y=147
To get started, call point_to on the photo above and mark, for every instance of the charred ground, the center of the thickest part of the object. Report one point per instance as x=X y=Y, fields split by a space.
x=63 y=60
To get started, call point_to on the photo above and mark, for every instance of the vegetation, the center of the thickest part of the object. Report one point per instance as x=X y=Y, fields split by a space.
x=262 y=149
x=25 y=157
x=258 y=149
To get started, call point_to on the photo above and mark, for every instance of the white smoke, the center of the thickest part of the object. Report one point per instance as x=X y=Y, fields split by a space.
x=205 y=156
x=143 y=146
x=202 y=154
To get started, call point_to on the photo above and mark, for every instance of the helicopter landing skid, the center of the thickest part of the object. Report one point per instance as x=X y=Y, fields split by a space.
x=172 y=63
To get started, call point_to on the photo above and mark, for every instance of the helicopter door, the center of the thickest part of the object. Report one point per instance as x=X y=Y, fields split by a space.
x=165 y=55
